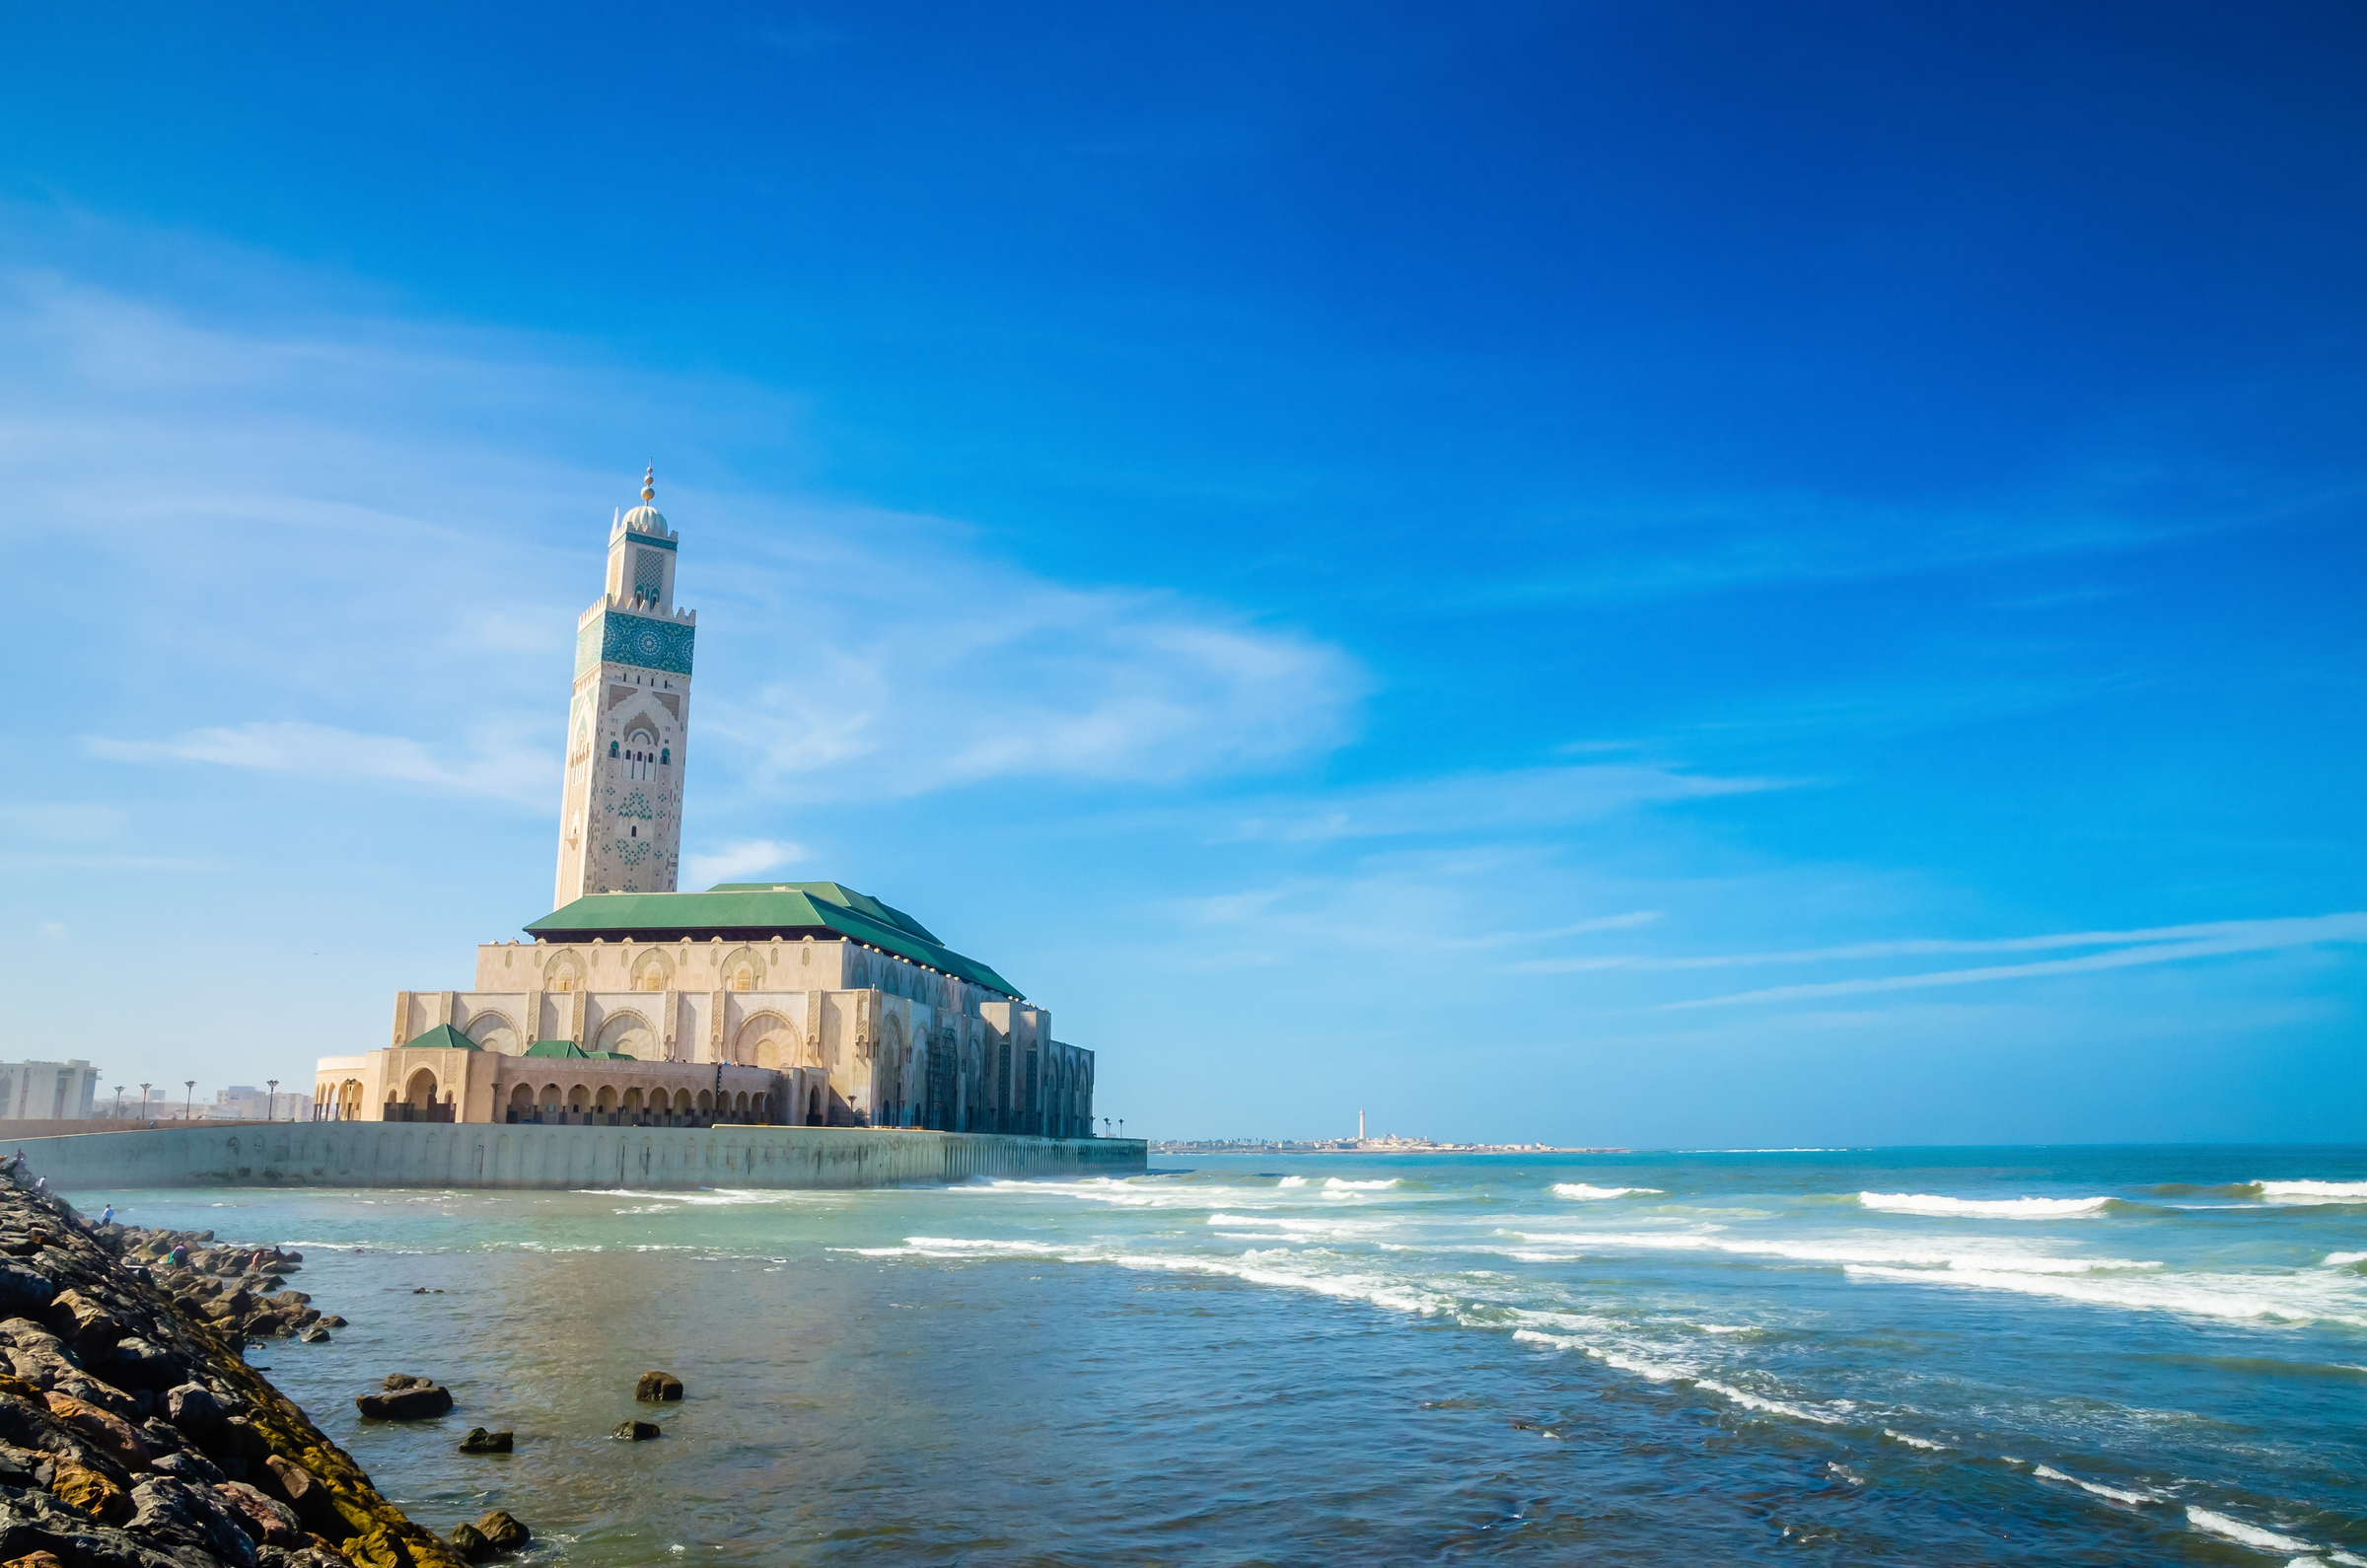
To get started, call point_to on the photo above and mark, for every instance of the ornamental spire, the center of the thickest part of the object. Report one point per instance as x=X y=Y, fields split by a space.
x=649 y=483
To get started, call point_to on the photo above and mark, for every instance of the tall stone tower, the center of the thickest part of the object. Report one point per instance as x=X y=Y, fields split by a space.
x=628 y=729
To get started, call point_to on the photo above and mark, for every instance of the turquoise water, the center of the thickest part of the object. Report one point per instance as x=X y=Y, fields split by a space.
x=1959 y=1356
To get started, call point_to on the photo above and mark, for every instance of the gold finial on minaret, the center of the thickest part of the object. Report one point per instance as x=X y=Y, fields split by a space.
x=649 y=483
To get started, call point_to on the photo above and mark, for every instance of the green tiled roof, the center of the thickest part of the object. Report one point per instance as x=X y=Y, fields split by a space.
x=757 y=912
x=443 y=1038
x=548 y=1048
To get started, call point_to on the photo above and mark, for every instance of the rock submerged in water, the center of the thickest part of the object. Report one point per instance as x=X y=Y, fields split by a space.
x=415 y=1400
x=479 y=1441
x=656 y=1387
x=636 y=1431
x=489 y=1536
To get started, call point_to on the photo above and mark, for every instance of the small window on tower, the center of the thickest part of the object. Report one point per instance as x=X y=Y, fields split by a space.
x=664 y=756
x=611 y=748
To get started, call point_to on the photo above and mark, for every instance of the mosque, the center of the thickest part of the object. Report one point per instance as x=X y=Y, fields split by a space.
x=631 y=1004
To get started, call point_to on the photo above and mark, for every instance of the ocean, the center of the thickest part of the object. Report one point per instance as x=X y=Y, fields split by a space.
x=1961 y=1356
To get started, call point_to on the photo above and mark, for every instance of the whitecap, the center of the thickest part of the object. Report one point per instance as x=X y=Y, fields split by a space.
x=2344 y=1259
x=1913 y=1442
x=1337 y=1184
x=2049 y=1472
x=1980 y=1208
x=2242 y=1534
x=1904 y=1251
x=2313 y=1192
x=2236 y=1298
x=1584 y=1192
x=1292 y=1181
x=1667 y=1372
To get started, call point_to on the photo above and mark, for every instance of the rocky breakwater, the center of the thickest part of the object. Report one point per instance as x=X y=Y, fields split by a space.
x=239 y=1290
x=132 y=1433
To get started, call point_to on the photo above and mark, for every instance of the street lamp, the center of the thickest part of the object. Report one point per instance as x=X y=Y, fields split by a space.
x=143 y=1101
x=189 y=1108
x=272 y=1104
x=118 y=1102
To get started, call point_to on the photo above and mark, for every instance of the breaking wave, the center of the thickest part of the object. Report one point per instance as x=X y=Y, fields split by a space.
x=1981 y=1208
x=1579 y=1190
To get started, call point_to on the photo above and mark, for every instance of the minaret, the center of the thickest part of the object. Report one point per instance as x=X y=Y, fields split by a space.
x=628 y=727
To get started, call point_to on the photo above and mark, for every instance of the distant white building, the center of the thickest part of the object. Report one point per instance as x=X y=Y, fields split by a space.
x=47 y=1091
x=245 y=1103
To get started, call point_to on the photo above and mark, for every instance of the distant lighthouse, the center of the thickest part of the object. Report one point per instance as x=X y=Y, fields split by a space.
x=1360 y=1126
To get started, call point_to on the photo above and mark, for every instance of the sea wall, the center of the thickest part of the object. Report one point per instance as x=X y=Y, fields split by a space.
x=394 y=1154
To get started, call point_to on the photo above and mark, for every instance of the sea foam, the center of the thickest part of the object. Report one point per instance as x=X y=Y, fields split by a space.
x=2116 y=1494
x=1580 y=1190
x=2234 y=1298
x=2244 y=1534
x=1981 y=1208
x=2305 y=1193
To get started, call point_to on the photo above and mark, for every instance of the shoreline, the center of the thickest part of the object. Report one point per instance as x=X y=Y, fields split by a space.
x=133 y=1431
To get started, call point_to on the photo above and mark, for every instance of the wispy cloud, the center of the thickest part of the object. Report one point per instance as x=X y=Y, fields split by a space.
x=737 y=862
x=324 y=752
x=1484 y=802
x=370 y=499
x=2161 y=944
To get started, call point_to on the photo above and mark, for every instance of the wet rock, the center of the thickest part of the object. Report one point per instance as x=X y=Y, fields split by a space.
x=402 y=1380
x=466 y=1540
x=658 y=1386
x=635 y=1431
x=332 y=1320
x=418 y=1403
x=481 y=1441
x=502 y=1531
x=35 y=1559
x=315 y=1335
x=267 y=1521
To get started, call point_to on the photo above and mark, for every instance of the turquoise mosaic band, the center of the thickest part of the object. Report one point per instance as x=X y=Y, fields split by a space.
x=635 y=640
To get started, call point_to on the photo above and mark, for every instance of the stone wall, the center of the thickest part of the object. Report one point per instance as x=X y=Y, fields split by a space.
x=380 y=1154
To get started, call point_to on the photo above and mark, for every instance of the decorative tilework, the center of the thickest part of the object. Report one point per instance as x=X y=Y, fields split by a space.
x=646 y=644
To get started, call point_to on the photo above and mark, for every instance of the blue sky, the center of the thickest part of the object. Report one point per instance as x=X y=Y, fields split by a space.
x=1616 y=574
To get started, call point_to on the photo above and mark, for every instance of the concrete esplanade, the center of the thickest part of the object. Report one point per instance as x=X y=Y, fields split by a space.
x=381 y=1154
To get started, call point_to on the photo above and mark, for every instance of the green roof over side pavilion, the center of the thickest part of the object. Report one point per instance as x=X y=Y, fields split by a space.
x=757 y=911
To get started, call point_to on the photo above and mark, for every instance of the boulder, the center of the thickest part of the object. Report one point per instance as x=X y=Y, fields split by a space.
x=267 y=1521
x=91 y=1492
x=92 y=1328
x=283 y=1477
x=23 y=1291
x=175 y=1514
x=143 y=1364
x=108 y=1432
x=503 y=1532
x=481 y=1441
x=189 y=1465
x=315 y=1335
x=417 y=1402
x=466 y=1540
x=35 y=1559
x=193 y=1407
x=402 y=1380
x=636 y=1431
x=658 y=1386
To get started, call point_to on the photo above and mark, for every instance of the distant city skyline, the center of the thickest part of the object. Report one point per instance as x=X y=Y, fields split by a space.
x=1619 y=576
